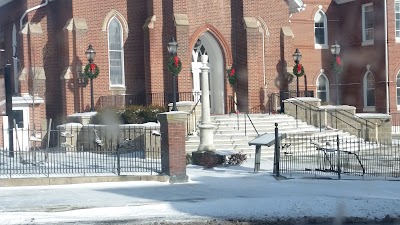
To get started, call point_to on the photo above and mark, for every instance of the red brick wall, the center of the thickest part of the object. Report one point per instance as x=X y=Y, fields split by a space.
x=145 y=49
x=173 y=153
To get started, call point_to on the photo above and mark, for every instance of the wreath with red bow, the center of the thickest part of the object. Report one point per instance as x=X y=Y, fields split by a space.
x=337 y=65
x=91 y=71
x=231 y=76
x=298 y=70
x=174 y=65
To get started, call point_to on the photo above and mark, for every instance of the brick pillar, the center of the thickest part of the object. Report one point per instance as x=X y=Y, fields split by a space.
x=173 y=152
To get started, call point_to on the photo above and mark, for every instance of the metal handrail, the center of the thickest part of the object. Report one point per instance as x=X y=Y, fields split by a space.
x=248 y=116
x=340 y=111
x=331 y=114
x=195 y=119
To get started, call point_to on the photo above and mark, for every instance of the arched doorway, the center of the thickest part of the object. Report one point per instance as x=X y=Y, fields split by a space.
x=207 y=45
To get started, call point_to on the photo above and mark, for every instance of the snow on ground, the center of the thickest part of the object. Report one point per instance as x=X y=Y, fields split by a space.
x=233 y=192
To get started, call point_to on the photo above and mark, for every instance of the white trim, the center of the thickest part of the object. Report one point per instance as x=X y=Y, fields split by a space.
x=366 y=42
x=322 y=46
x=326 y=85
x=397 y=87
x=369 y=109
x=396 y=28
x=365 y=91
x=343 y=1
x=122 y=54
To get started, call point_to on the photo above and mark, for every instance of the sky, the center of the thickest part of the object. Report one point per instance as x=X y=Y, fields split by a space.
x=225 y=192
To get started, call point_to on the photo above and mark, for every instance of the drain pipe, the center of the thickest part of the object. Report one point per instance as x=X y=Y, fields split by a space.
x=386 y=59
x=30 y=10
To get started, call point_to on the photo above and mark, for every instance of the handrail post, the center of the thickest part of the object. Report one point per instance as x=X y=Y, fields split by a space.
x=320 y=121
x=237 y=116
x=359 y=139
x=245 y=125
x=270 y=104
x=338 y=157
x=297 y=119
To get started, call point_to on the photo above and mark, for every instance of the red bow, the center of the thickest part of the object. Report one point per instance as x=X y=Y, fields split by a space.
x=232 y=72
x=338 y=61
x=92 y=67
x=298 y=68
x=176 y=61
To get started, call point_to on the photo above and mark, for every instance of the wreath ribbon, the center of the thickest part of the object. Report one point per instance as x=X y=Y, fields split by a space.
x=298 y=70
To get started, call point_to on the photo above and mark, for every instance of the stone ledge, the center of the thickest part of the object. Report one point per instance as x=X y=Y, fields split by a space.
x=78 y=180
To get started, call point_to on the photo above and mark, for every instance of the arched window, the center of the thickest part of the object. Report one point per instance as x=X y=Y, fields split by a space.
x=116 y=53
x=398 y=90
x=320 y=30
x=369 y=90
x=323 y=88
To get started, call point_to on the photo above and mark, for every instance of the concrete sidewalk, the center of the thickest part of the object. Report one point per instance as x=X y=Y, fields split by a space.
x=222 y=193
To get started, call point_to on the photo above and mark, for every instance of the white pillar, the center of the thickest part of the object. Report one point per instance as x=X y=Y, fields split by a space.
x=206 y=128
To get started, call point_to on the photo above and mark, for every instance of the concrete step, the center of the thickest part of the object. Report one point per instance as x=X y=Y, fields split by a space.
x=230 y=133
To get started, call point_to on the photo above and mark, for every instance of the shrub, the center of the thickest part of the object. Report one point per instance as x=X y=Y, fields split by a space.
x=107 y=115
x=208 y=160
x=237 y=159
x=189 y=159
x=136 y=114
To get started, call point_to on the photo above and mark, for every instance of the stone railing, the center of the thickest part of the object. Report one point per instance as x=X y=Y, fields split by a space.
x=370 y=126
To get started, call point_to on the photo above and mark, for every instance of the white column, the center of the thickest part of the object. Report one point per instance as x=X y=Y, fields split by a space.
x=206 y=128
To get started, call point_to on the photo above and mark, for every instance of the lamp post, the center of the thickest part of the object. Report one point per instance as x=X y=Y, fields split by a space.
x=297 y=57
x=90 y=54
x=335 y=50
x=173 y=49
x=8 y=92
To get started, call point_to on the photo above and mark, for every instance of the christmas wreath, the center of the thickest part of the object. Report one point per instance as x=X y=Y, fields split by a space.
x=231 y=76
x=174 y=65
x=337 y=65
x=91 y=71
x=298 y=70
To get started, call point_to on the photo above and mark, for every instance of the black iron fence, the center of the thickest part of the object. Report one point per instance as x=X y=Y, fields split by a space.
x=84 y=151
x=159 y=99
x=331 y=154
x=395 y=122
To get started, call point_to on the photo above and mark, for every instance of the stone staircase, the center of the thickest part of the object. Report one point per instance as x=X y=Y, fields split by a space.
x=233 y=132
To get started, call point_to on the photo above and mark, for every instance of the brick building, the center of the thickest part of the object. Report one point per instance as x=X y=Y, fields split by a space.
x=45 y=41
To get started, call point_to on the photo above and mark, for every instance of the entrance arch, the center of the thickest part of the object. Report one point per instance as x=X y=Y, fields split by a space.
x=208 y=45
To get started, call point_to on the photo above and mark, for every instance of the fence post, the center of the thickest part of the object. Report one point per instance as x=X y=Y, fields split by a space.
x=281 y=98
x=338 y=157
x=173 y=155
x=277 y=151
x=118 y=162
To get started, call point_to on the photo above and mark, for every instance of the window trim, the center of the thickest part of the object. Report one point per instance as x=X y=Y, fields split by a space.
x=327 y=85
x=396 y=28
x=397 y=87
x=118 y=86
x=364 y=41
x=365 y=92
x=322 y=46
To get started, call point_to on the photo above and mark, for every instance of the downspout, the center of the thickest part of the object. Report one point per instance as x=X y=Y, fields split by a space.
x=30 y=10
x=386 y=58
